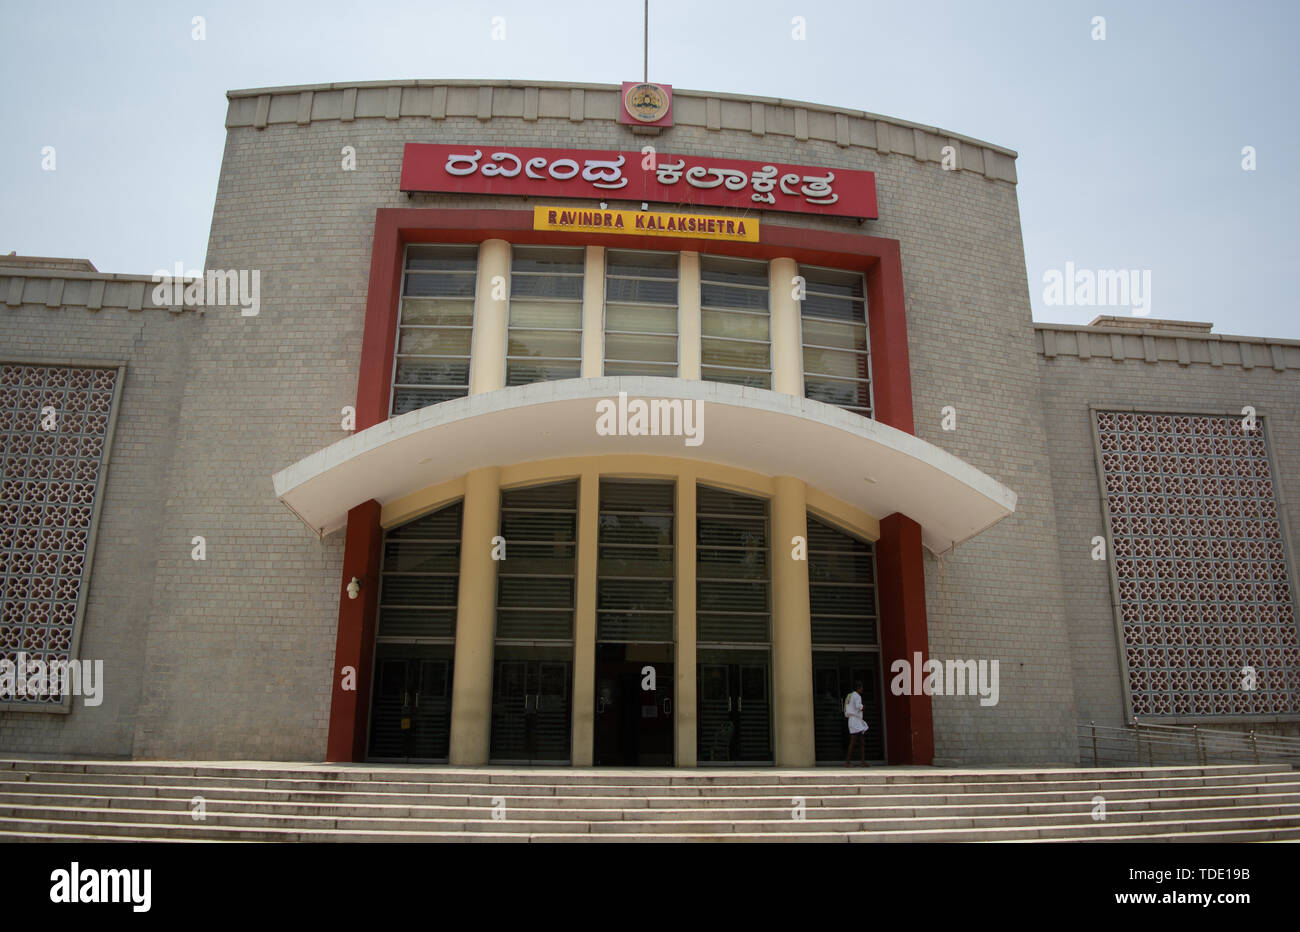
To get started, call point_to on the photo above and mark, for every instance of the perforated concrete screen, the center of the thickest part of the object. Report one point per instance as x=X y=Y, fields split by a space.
x=1204 y=603
x=55 y=426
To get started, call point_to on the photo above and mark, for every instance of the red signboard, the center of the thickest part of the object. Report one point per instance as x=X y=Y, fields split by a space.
x=683 y=180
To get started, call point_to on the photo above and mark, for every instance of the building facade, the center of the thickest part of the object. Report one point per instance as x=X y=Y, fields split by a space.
x=500 y=428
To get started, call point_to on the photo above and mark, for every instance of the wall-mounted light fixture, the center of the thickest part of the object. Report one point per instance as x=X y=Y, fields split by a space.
x=354 y=588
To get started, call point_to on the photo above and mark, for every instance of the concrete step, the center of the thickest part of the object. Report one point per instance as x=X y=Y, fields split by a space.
x=635 y=822
x=740 y=808
x=253 y=801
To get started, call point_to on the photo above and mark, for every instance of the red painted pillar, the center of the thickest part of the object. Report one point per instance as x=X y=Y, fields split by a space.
x=354 y=645
x=900 y=580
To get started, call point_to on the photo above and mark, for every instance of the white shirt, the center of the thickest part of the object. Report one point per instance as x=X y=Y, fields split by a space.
x=853 y=711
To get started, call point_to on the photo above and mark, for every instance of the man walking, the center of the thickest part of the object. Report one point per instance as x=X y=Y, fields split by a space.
x=857 y=725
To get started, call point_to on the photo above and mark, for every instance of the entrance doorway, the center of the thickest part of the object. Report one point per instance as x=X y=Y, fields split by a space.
x=735 y=709
x=411 y=715
x=834 y=673
x=634 y=705
x=532 y=689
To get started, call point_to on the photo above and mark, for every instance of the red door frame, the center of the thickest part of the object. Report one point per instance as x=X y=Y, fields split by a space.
x=900 y=571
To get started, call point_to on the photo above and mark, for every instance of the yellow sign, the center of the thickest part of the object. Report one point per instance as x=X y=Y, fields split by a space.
x=645 y=223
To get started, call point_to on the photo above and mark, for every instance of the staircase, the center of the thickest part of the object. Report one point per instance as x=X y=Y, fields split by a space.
x=49 y=800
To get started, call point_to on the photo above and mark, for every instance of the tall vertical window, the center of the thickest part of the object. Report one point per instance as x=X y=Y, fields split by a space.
x=836 y=367
x=640 y=313
x=545 y=315
x=634 y=588
x=733 y=582
x=535 y=583
x=436 y=325
x=735 y=322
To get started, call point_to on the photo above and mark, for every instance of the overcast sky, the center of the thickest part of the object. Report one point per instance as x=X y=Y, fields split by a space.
x=1130 y=147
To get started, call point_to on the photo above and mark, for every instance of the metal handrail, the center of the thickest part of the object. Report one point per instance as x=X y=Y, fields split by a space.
x=1141 y=743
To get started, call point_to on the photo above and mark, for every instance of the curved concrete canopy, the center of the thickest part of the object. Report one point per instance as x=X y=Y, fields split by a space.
x=866 y=464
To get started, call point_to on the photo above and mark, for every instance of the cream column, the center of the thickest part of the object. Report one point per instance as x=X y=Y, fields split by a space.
x=471 y=697
x=787 y=340
x=684 y=703
x=593 y=313
x=688 y=316
x=584 y=622
x=792 y=680
x=487 y=364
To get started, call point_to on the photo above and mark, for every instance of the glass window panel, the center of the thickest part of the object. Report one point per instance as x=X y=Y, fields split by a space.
x=839 y=363
x=635 y=561
x=545 y=343
x=534 y=591
x=545 y=286
x=619 y=317
x=736 y=271
x=832 y=392
x=642 y=290
x=648 y=264
x=746 y=377
x=421 y=284
x=434 y=342
x=733 y=353
x=548 y=259
x=550 y=314
x=454 y=312
x=412 y=399
x=839 y=282
x=641 y=368
x=829 y=333
x=715 y=323
x=442 y=258
x=416 y=556
x=525 y=373
x=640 y=348
x=440 y=372
x=742 y=298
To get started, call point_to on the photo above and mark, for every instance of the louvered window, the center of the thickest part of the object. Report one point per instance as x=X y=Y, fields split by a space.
x=841 y=587
x=545 y=315
x=436 y=326
x=735 y=322
x=640 y=313
x=421 y=577
x=535 y=581
x=836 y=361
x=634 y=594
x=733 y=579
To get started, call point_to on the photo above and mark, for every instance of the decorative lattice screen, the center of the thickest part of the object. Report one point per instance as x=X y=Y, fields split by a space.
x=54 y=424
x=1200 y=566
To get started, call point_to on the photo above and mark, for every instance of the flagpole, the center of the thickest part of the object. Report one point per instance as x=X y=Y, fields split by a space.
x=645 y=32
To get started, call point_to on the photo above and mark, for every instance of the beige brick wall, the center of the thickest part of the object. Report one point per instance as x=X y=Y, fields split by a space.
x=1069 y=385
x=155 y=346
x=238 y=649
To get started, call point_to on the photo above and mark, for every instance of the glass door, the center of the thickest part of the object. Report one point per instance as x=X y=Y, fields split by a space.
x=735 y=708
x=531 y=705
x=410 y=717
x=834 y=673
x=634 y=705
